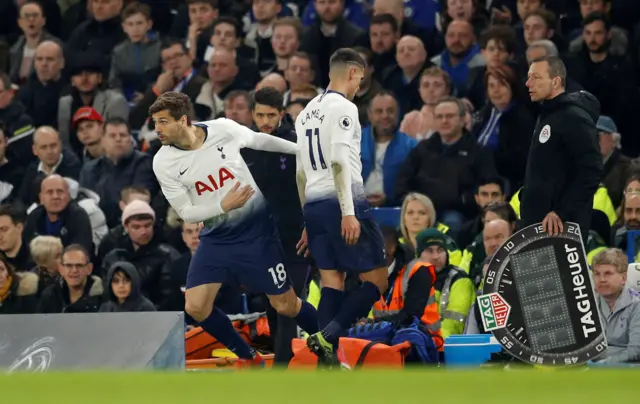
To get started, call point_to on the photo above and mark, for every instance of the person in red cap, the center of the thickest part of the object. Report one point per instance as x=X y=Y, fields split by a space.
x=88 y=124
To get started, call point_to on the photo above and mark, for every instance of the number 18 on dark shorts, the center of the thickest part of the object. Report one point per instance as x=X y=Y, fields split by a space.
x=258 y=264
x=323 y=221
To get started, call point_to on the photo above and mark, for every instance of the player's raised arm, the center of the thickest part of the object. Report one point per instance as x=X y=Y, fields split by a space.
x=260 y=141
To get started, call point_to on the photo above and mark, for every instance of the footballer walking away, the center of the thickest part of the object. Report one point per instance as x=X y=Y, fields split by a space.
x=205 y=179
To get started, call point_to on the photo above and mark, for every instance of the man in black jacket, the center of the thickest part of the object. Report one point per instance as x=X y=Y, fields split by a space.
x=564 y=166
x=275 y=176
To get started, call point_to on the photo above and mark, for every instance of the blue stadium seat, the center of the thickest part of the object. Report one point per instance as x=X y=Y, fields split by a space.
x=387 y=216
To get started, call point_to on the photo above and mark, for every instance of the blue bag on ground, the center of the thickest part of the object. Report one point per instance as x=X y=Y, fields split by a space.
x=423 y=346
x=382 y=331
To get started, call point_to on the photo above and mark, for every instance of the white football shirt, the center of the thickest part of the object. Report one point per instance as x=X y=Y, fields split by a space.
x=327 y=119
x=206 y=175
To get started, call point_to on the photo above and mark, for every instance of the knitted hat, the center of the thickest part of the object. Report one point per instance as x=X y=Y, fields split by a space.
x=427 y=238
x=137 y=207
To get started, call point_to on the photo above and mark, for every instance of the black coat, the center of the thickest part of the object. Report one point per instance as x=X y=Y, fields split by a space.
x=22 y=297
x=76 y=226
x=135 y=302
x=564 y=167
x=55 y=298
x=69 y=167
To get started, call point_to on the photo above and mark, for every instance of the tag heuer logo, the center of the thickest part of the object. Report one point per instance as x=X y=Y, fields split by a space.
x=494 y=311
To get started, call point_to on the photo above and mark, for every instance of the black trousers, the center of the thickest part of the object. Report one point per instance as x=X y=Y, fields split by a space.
x=284 y=329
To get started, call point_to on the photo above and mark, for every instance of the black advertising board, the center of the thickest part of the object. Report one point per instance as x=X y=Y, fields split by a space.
x=538 y=299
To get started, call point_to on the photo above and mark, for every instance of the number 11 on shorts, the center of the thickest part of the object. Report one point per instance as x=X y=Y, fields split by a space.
x=279 y=275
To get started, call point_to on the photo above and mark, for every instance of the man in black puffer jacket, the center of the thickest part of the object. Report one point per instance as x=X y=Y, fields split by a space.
x=564 y=166
x=275 y=175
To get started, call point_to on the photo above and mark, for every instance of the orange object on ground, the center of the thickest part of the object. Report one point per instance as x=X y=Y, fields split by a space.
x=219 y=363
x=356 y=352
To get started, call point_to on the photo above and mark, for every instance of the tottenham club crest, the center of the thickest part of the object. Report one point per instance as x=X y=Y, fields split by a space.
x=345 y=123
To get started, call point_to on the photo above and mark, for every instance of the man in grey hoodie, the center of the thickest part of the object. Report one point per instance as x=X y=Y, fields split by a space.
x=619 y=307
x=123 y=293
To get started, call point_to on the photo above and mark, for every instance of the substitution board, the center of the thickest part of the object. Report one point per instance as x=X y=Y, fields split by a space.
x=538 y=299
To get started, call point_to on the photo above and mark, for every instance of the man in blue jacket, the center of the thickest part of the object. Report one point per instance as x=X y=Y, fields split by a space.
x=383 y=150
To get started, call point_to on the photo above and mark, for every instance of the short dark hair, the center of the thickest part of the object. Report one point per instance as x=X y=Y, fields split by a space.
x=268 y=96
x=227 y=20
x=503 y=209
x=116 y=121
x=212 y=3
x=547 y=16
x=35 y=2
x=389 y=233
x=345 y=56
x=385 y=19
x=382 y=93
x=177 y=104
x=292 y=22
x=136 y=8
x=233 y=94
x=501 y=34
x=368 y=55
x=556 y=67
x=597 y=16
x=462 y=110
x=14 y=212
x=171 y=42
x=76 y=247
x=490 y=180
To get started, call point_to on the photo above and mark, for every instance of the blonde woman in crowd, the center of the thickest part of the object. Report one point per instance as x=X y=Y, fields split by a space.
x=46 y=252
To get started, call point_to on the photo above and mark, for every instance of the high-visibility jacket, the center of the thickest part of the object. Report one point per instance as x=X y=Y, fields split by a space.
x=601 y=202
x=430 y=317
x=454 y=299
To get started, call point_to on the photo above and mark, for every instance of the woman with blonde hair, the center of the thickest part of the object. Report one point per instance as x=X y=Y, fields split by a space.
x=418 y=213
x=46 y=252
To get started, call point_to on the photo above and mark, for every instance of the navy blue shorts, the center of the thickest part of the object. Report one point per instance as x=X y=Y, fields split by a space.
x=257 y=264
x=323 y=221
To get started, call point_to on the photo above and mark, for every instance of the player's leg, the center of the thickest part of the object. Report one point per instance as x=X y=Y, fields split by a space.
x=203 y=283
x=331 y=295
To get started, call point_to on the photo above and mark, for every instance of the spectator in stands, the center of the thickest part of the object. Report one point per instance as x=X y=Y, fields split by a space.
x=260 y=33
x=435 y=84
x=12 y=243
x=498 y=46
x=452 y=283
x=465 y=10
x=135 y=62
x=383 y=150
x=461 y=55
x=505 y=124
x=222 y=71
x=123 y=293
x=89 y=201
x=52 y=158
x=447 y=166
x=20 y=127
x=494 y=234
x=616 y=164
x=11 y=171
x=285 y=42
x=58 y=216
x=403 y=79
x=88 y=124
x=538 y=25
x=86 y=79
x=295 y=107
x=78 y=291
x=301 y=92
x=177 y=75
x=619 y=307
x=119 y=167
x=41 y=93
x=202 y=14
x=99 y=33
x=31 y=22
x=383 y=37
x=237 y=107
x=273 y=80
x=329 y=33
x=611 y=78
x=629 y=219
x=430 y=37
x=488 y=190
x=46 y=252
x=619 y=38
x=140 y=246
x=299 y=72
x=369 y=86
x=18 y=290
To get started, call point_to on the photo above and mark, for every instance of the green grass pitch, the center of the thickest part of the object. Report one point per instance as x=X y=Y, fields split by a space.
x=370 y=387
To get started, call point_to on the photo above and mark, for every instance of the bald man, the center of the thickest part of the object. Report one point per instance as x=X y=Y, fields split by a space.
x=462 y=53
x=41 y=93
x=273 y=80
x=404 y=79
x=51 y=158
x=494 y=234
x=58 y=215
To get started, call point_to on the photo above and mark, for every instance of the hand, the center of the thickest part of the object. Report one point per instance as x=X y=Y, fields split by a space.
x=194 y=31
x=501 y=16
x=377 y=199
x=165 y=82
x=552 y=224
x=302 y=245
x=411 y=124
x=350 y=229
x=236 y=197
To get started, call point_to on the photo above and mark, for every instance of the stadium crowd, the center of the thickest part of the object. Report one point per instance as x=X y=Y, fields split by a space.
x=447 y=126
